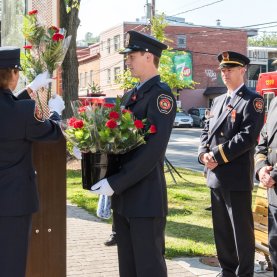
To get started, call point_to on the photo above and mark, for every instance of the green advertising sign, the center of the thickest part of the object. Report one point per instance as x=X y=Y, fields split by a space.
x=182 y=65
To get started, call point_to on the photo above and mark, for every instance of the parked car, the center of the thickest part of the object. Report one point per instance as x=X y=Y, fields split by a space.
x=198 y=115
x=183 y=119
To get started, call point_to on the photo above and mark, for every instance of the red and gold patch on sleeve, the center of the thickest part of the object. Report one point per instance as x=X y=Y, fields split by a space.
x=165 y=103
x=258 y=105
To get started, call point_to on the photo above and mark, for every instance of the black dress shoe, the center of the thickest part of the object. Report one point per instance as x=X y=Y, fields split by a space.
x=111 y=241
x=208 y=208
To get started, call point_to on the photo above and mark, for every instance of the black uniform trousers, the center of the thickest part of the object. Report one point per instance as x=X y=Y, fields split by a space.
x=141 y=246
x=272 y=236
x=233 y=231
x=14 y=238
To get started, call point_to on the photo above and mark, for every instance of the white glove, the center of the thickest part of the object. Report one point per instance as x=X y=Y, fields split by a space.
x=102 y=187
x=56 y=104
x=77 y=153
x=42 y=80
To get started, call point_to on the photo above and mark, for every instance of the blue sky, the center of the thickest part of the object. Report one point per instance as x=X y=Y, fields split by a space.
x=97 y=16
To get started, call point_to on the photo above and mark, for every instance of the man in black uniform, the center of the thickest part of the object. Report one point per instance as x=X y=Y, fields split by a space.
x=227 y=147
x=266 y=173
x=139 y=196
x=20 y=126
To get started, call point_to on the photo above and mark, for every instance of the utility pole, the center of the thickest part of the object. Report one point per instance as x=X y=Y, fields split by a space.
x=152 y=9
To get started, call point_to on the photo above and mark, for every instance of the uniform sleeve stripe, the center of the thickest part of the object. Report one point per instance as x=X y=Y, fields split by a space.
x=220 y=148
x=259 y=160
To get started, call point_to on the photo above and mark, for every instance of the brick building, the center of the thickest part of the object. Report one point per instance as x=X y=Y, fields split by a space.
x=202 y=42
x=89 y=67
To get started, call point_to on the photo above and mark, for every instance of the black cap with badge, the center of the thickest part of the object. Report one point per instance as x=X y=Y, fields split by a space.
x=232 y=59
x=10 y=57
x=136 y=41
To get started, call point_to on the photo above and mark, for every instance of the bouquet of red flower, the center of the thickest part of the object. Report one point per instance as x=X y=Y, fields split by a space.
x=45 y=51
x=105 y=128
x=46 y=48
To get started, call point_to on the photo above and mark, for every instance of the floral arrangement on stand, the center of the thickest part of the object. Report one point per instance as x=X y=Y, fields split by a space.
x=105 y=128
x=45 y=51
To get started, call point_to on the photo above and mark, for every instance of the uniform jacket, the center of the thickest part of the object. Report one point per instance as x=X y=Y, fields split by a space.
x=19 y=128
x=231 y=133
x=266 y=151
x=140 y=187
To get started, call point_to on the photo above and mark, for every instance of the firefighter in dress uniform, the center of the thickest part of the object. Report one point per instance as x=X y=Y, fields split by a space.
x=227 y=148
x=20 y=127
x=266 y=173
x=139 y=196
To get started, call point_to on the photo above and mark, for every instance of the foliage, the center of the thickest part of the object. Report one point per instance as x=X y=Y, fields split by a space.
x=94 y=88
x=105 y=128
x=126 y=80
x=72 y=4
x=46 y=49
x=189 y=226
x=263 y=40
x=173 y=79
x=90 y=39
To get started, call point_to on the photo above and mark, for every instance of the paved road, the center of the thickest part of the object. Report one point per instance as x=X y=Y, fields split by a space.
x=182 y=148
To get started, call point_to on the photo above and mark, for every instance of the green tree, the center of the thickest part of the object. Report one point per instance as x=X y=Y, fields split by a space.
x=264 y=40
x=174 y=81
x=90 y=39
x=69 y=19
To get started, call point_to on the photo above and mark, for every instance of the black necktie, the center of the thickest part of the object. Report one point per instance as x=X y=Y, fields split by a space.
x=228 y=98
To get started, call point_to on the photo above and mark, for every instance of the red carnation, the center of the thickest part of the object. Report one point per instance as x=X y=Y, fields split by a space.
x=71 y=121
x=55 y=29
x=114 y=115
x=28 y=47
x=138 y=124
x=126 y=111
x=152 y=129
x=78 y=124
x=109 y=105
x=111 y=124
x=82 y=109
x=57 y=37
x=33 y=12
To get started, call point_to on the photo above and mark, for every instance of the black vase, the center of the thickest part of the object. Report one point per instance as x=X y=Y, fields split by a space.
x=96 y=166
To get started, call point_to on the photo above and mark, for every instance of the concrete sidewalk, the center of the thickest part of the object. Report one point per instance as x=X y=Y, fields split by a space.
x=88 y=257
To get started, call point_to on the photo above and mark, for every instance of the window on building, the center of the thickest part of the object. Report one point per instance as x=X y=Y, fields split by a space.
x=109 y=45
x=116 y=73
x=108 y=76
x=116 y=41
x=102 y=45
x=86 y=79
x=90 y=76
x=81 y=80
x=181 y=41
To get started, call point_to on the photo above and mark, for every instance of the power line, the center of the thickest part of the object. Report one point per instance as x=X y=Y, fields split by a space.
x=203 y=6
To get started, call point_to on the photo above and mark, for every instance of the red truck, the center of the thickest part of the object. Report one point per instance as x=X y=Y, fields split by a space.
x=267 y=87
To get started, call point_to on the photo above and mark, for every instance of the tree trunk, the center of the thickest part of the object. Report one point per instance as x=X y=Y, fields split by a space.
x=70 y=82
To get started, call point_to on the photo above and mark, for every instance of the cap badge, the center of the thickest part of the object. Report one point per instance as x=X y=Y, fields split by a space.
x=225 y=56
x=127 y=39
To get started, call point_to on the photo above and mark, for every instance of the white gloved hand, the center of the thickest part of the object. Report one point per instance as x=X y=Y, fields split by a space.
x=42 y=80
x=102 y=187
x=77 y=153
x=56 y=104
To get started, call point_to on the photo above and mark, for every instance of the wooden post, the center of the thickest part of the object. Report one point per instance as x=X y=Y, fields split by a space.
x=47 y=252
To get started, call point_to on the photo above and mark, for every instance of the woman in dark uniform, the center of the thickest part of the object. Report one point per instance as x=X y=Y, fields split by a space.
x=20 y=127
